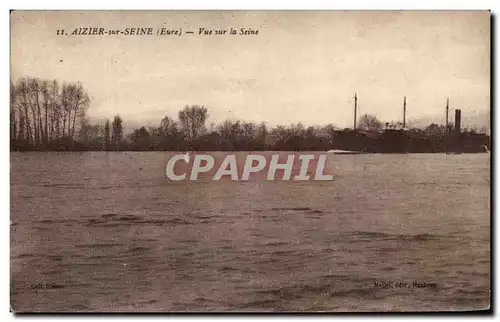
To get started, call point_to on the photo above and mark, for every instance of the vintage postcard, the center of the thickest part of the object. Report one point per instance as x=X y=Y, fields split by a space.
x=250 y=161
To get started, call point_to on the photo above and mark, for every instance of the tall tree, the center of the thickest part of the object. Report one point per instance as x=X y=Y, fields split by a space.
x=369 y=122
x=107 y=138
x=46 y=106
x=56 y=109
x=80 y=101
x=13 y=119
x=168 y=127
x=117 y=132
x=192 y=119
x=24 y=106
x=140 y=139
x=262 y=136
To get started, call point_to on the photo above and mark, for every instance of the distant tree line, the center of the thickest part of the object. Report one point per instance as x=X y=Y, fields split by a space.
x=47 y=115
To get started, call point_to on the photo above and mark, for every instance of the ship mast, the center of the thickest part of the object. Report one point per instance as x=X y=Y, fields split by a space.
x=404 y=113
x=447 y=108
x=355 y=108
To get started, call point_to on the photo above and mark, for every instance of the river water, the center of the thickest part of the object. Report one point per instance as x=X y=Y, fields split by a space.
x=99 y=231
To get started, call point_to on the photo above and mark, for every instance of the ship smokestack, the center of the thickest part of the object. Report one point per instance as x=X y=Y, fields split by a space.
x=458 y=119
x=447 y=108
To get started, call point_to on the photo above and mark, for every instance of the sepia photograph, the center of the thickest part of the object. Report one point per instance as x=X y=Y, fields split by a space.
x=250 y=161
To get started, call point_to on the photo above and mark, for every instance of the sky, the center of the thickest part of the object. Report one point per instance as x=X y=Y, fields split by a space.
x=302 y=66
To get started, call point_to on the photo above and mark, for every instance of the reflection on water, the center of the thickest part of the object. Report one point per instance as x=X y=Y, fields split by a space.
x=107 y=232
